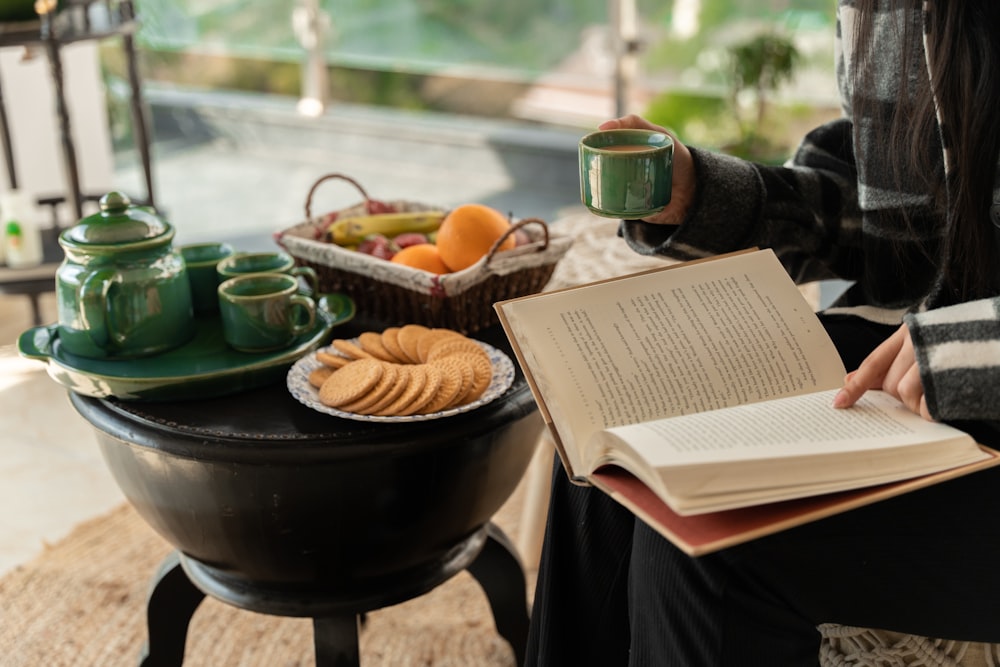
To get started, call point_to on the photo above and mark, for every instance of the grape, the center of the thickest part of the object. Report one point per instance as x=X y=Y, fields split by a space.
x=378 y=245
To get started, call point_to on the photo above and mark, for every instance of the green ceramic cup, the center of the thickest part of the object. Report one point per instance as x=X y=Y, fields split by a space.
x=201 y=260
x=626 y=173
x=242 y=263
x=264 y=311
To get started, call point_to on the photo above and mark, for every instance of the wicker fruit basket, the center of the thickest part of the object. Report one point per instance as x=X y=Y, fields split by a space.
x=395 y=294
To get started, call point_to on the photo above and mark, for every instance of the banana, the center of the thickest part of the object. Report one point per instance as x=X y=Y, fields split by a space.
x=347 y=231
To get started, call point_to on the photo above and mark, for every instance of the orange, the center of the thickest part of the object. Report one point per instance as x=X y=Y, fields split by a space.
x=421 y=256
x=467 y=233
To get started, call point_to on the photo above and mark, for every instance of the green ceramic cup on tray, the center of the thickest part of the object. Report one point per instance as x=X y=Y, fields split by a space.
x=242 y=263
x=201 y=260
x=264 y=311
x=626 y=173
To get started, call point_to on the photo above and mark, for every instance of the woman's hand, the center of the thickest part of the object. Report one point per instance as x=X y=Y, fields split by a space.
x=892 y=367
x=682 y=183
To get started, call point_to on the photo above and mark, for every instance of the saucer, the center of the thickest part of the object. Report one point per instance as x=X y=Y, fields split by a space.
x=305 y=393
x=204 y=367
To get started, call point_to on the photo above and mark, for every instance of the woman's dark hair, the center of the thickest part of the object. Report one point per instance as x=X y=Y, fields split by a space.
x=963 y=39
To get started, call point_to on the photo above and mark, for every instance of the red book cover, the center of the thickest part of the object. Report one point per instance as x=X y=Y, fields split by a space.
x=704 y=533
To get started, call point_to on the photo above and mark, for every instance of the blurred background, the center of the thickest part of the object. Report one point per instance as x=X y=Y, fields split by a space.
x=453 y=100
x=567 y=62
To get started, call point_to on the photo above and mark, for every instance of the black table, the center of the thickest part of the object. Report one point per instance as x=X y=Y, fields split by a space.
x=276 y=508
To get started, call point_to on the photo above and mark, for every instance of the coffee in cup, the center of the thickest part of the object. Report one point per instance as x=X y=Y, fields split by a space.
x=626 y=173
x=264 y=311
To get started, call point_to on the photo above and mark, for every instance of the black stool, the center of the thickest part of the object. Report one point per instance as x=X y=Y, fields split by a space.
x=277 y=508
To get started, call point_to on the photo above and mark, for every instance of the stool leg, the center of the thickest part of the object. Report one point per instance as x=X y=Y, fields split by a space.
x=335 y=639
x=498 y=570
x=172 y=602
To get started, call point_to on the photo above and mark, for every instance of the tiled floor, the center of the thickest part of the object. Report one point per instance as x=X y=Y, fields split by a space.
x=51 y=473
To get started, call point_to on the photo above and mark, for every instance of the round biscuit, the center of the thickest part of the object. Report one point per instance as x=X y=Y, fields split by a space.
x=465 y=374
x=319 y=375
x=483 y=369
x=350 y=382
x=414 y=386
x=349 y=349
x=331 y=359
x=467 y=364
x=444 y=347
x=432 y=336
x=450 y=388
x=371 y=342
x=430 y=388
x=402 y=381
x=468 y=375
x=390 y=376
x=409 y=337
x=390 y=340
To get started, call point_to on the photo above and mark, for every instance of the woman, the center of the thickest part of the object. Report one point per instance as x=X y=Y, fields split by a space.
x=901 y=196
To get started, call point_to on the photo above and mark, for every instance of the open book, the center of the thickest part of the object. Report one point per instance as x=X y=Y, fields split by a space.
x=700 y=396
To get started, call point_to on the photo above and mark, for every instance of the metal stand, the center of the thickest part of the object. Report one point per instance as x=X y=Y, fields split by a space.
x=76 y=21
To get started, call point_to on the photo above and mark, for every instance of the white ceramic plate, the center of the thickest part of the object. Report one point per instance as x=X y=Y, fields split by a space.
x=305 y=393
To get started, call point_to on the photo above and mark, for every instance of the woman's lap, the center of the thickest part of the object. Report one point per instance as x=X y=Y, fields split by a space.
x=922 y=564
x=580 y=611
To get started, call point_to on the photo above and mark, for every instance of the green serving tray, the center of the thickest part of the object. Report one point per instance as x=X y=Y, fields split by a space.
x=203 y=367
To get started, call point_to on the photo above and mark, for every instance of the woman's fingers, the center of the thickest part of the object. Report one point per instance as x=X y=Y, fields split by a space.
x=924 y=410
x=872 y=371
x=910 y=390
x=902 y=372
x=892 y=367
x=630 y=122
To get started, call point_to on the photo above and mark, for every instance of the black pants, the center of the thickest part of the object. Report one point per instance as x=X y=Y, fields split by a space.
x=612 y=591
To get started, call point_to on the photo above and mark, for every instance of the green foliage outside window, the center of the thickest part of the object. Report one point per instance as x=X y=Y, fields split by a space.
x=731 y=69
x=386 y=52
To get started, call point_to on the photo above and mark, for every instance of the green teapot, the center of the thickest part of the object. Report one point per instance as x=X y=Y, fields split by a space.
x=122 y=291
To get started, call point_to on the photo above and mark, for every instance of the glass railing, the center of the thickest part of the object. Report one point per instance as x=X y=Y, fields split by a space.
x=562 y=61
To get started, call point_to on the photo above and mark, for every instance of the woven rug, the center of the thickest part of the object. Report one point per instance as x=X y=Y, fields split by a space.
x=82 y=604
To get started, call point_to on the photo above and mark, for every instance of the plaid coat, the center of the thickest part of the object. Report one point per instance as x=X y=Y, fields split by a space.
x=816 y=213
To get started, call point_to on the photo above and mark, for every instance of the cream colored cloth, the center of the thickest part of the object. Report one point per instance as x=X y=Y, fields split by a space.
x=846 y=646
x=598 y=253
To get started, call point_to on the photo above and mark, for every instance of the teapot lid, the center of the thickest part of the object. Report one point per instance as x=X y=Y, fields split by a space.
x=118 y=222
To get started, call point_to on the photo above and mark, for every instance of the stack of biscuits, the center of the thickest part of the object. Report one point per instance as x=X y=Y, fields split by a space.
x=402 y=371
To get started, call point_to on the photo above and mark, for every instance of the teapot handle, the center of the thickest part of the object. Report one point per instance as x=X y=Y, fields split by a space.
x=94 y=306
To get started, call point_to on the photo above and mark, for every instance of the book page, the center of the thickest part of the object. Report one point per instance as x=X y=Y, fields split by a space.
x=786 y=448
x=799 y=425
x=681 y=340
